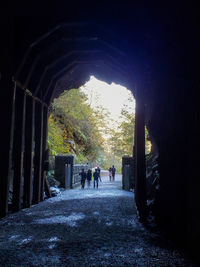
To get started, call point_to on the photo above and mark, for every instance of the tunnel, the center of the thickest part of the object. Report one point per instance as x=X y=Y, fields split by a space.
x=153 y=52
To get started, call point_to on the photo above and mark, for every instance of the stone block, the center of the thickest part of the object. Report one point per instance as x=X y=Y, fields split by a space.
x=60 y=162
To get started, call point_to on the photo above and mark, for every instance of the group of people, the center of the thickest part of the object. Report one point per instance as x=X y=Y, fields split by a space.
x=112 y=171
x=88 y=176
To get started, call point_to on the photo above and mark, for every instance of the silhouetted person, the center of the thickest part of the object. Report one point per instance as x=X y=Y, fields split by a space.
x=113 y=172
x=110 y=173
x=89 y=177
x=99 y=170
x=83 y=178
x=96 y=178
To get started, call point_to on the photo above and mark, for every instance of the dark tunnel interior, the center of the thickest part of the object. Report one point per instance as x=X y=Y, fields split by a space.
x=152 y=51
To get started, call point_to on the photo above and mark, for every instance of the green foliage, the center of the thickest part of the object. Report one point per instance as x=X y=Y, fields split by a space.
x=51 y=173
x=56 y=137
x=80 y=158
x=122 y=139
x=88 y=133
x=74 y=127
x=108 y=159
x=147 y=142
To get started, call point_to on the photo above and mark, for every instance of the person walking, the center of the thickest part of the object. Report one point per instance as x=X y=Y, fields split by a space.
x=113 y=172
x=89 y=177
x=96 y=178
x=99 y=170
x=110 y=173
x=83 y=178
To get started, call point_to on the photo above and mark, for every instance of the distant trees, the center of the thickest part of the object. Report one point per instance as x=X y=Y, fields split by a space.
x=122 y=139
x=89 y=133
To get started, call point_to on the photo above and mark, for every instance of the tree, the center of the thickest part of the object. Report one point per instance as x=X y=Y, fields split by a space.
x=74 y=127
x=122 y=139
x=56 y=141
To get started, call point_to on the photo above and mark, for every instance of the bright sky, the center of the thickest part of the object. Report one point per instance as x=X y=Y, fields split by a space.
x=110 y=96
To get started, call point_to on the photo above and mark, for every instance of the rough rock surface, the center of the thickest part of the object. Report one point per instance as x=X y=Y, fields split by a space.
x=90 y=227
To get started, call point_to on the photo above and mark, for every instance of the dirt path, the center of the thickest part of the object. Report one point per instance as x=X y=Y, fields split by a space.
x=90 y=227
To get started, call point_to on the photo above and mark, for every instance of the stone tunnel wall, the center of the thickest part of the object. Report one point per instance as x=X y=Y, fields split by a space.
x=175 y=131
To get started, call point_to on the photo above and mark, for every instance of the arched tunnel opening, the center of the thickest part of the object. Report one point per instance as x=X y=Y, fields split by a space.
x=64 y=58
x=97 y=109
x=64 y=64
x=95 y=125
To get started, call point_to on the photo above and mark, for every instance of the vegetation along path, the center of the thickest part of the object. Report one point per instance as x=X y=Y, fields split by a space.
x=90 y=227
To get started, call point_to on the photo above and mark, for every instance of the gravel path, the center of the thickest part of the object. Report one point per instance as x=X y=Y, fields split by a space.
x=90 y=227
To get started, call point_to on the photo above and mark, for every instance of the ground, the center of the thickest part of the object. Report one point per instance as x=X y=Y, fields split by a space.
x=90 y=227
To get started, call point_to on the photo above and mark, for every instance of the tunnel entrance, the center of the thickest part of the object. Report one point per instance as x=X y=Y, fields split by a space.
x=94 y=124
x=63 y=59
x=97 y=108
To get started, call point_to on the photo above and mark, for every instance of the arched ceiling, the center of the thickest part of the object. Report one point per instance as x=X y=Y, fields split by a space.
x=66 y=56
x=101 y=70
